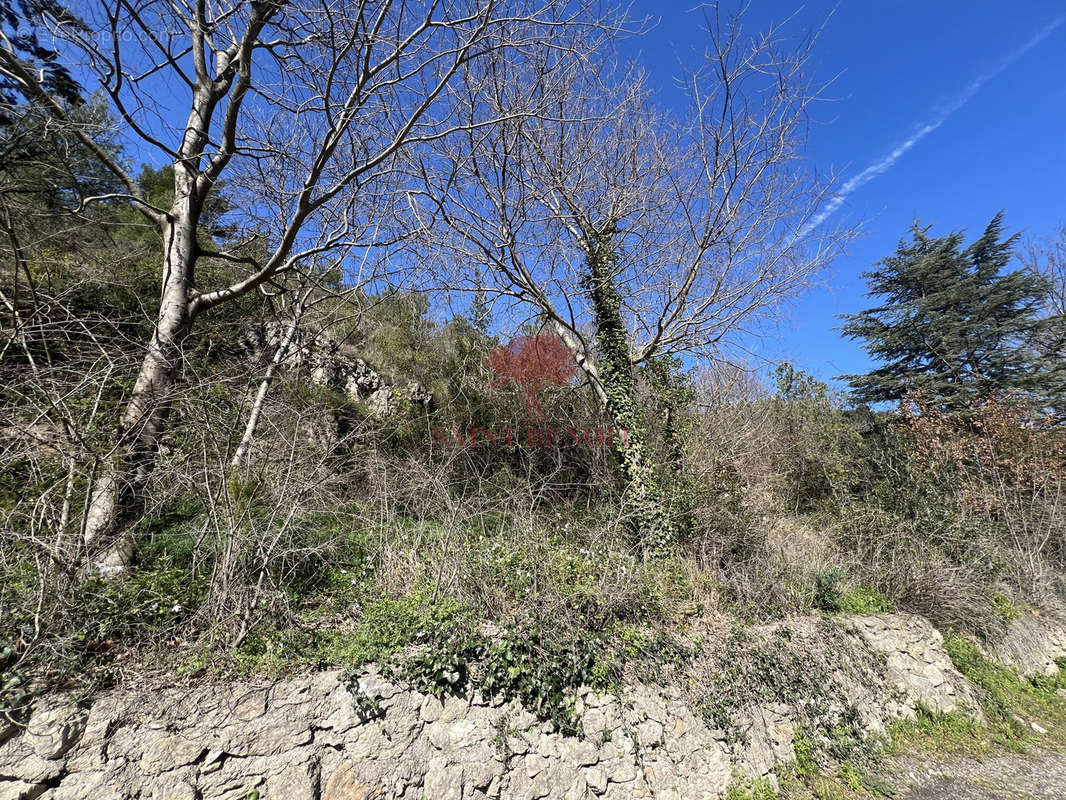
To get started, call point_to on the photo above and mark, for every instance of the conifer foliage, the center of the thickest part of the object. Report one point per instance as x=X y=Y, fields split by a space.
x=957 y=326
x=23 y=24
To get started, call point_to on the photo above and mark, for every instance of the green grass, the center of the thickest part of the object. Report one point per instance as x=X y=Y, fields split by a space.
x=865 y=600
x=831 y=596
x=390 y=624
x=803 y=747
x=746 y=789
x=386 y=627
x=935 y=732
x=1009 y=703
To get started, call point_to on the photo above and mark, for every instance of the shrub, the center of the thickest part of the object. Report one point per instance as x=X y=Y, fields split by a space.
x=803 y=747
x=832 y=595
x=818 y=446
x=829 y=589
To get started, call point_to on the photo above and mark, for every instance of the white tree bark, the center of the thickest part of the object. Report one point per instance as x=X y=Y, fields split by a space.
x=240 y=455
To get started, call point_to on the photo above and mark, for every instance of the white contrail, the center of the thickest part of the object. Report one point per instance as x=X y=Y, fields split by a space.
x=882 y=165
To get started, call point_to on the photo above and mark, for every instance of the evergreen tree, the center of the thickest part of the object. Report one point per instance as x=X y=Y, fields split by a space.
x=45 y=168
x=956 y=326
x=21 y=23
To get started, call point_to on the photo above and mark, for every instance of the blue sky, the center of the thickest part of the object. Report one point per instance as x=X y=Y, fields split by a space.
x=896 y=65
x=899 y=64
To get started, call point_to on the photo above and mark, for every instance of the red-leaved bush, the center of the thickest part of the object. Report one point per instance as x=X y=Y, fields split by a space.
x=531 y=363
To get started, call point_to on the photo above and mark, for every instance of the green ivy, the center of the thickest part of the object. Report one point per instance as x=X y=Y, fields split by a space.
x=366 y=707
x=643 y=494
x=444 y=668
x=543 y=675
x=14 y=691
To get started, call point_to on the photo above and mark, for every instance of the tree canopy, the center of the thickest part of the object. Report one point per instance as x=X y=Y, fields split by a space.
x=20 y=23
x=957 y=326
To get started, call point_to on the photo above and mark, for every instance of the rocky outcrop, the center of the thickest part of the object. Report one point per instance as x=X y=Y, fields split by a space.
x=916 y=664
x=304 y=738
x=1033 y=643
x=323 y=362
x=310 y=738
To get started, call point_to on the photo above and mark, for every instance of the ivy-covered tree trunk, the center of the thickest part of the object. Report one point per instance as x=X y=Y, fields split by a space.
x=643 y=495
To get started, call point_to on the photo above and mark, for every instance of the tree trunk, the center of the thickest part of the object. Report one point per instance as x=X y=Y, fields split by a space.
x=282 y=351
x=642 y=493
x=117 y=497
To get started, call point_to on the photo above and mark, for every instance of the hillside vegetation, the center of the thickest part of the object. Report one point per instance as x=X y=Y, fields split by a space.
x=350 y=534
x=510 y=453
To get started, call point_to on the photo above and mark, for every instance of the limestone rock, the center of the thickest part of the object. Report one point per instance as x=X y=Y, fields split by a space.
x=917 y=665
x=301 y=739
x=324 y=363
x=1033 y=643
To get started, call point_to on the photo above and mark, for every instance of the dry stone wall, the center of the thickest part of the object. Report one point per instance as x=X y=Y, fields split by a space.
x=303 y=738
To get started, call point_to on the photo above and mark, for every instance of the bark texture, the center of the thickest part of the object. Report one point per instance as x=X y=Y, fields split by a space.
x=119 y=487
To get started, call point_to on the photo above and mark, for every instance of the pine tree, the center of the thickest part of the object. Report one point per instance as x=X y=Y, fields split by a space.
x=23 y=25
x=957 y=327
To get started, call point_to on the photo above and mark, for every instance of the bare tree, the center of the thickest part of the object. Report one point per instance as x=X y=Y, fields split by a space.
x=306 y=108
x=1049 y=260
x=638 y=234
x=295 y=314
